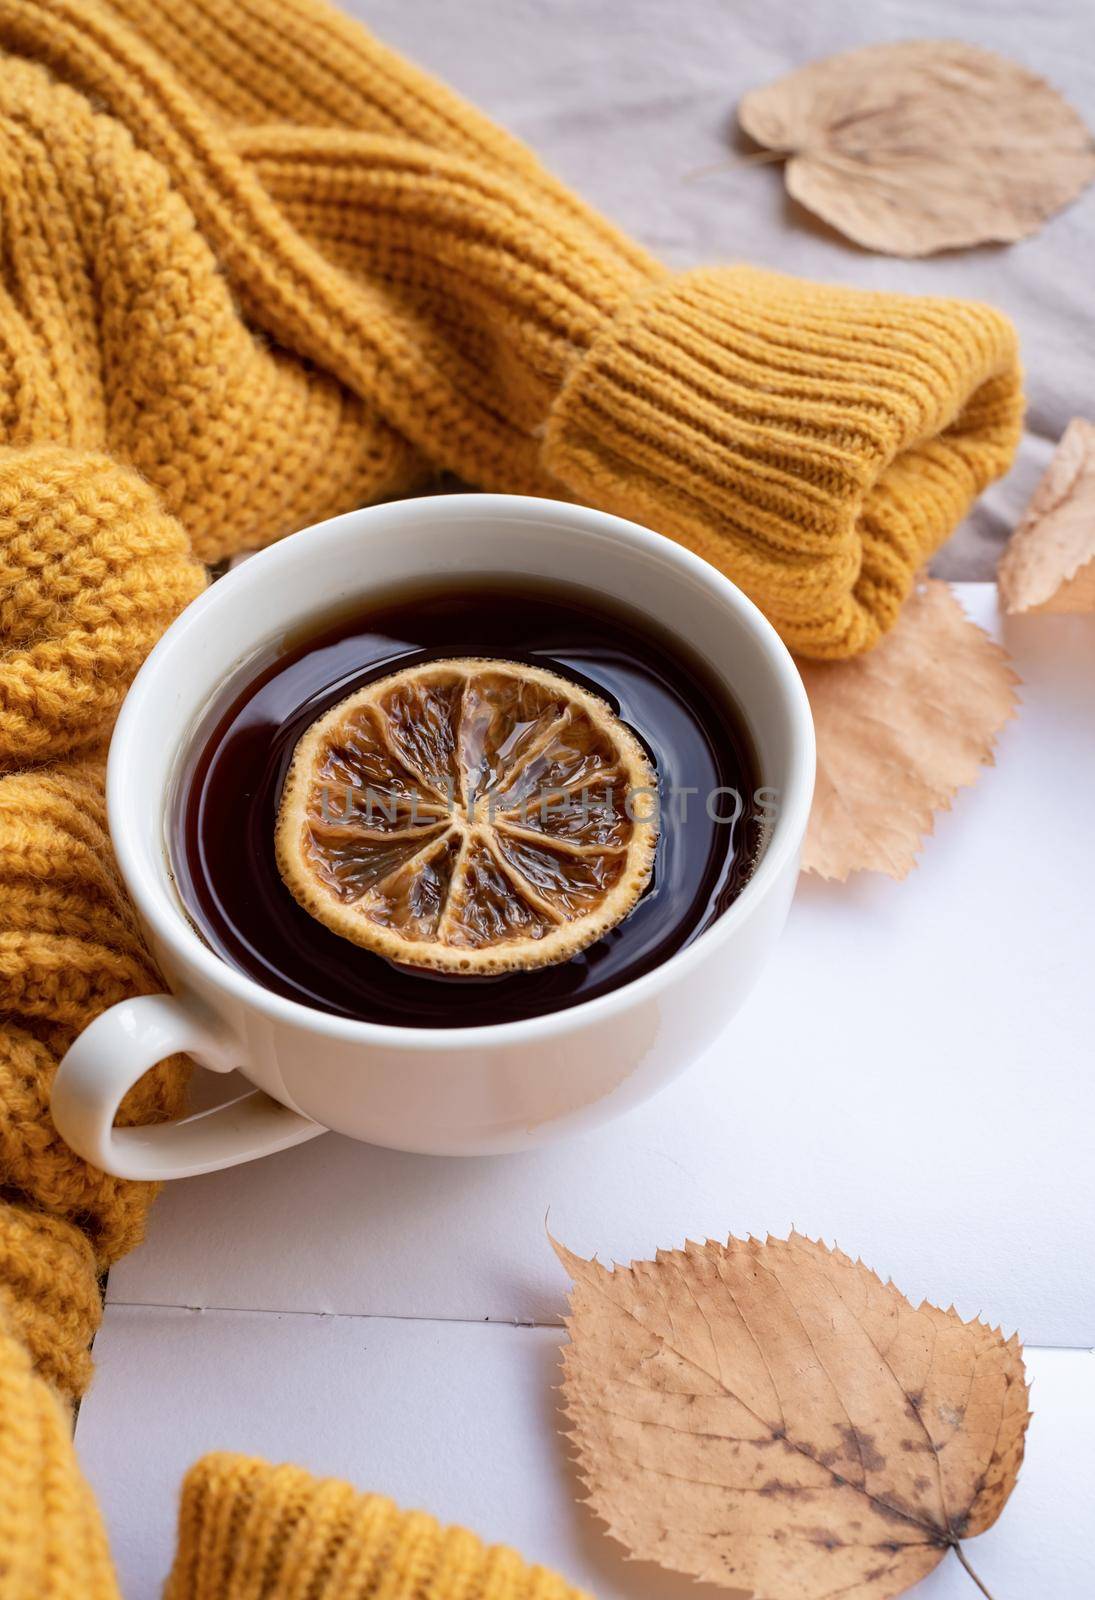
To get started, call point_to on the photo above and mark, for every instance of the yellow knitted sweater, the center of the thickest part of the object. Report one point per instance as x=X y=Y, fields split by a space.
x=254 y=270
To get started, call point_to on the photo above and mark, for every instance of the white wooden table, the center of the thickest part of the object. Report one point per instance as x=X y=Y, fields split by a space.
x=913 y=1079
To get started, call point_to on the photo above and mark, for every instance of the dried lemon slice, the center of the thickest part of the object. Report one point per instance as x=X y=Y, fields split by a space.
x=470 y=816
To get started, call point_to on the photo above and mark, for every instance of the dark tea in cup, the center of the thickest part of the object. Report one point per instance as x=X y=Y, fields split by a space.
x=374 y=833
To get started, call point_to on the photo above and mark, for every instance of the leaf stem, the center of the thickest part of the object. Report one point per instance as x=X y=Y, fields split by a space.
x=960 y=1553
x=754 y=158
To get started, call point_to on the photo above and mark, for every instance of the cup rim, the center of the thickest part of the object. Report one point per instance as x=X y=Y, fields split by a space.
x=167 y=919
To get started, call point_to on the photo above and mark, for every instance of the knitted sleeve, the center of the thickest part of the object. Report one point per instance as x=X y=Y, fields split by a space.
x=816 y=443
x=249 y=1531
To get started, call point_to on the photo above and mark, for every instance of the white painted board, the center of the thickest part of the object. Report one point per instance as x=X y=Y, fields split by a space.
x=913 y=1078
x=462 y=1419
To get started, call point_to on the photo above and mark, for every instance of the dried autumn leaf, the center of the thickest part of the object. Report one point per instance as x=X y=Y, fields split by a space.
x=899 y=731
x=773 y=1418
x=1049 y=563
x=922 y=146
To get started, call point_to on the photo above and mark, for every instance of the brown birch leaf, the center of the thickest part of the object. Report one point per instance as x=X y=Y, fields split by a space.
x=899 y=731
x=773 y=1418
x=922 y=146
x=1049 y=562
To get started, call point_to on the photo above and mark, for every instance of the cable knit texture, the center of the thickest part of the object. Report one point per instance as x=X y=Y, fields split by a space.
x=256 y=270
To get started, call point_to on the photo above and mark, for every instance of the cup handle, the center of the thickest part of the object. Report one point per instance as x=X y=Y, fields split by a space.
x=112 y=1053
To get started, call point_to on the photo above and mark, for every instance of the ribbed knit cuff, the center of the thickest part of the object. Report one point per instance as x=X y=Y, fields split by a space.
x=276 y=1533
x=49 y=1295
x=815 y=443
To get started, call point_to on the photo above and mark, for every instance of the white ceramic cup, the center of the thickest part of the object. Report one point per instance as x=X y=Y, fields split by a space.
x=458 y=1091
